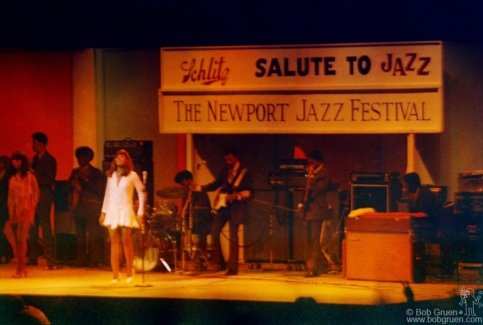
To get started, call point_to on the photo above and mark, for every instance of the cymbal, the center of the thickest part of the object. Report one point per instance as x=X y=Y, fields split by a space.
x=173 y=192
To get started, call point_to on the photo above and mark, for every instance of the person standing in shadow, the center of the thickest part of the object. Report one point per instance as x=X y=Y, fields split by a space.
x=87 y=185
x=45 y=168
x=6 y=249
x=320 y=218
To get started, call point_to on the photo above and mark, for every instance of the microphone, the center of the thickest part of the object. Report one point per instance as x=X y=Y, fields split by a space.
x=143 y=223
x=198 y=165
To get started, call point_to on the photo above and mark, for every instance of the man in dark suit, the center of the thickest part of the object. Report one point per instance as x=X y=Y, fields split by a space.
x=87 y=192
x=45 y=168
x=320 y=217
x=230 y=206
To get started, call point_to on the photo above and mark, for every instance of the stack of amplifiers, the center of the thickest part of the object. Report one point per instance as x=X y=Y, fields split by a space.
x=141 y=152
x=287 y=180
x=291 y=174
x=378 y=190
x=469 y=213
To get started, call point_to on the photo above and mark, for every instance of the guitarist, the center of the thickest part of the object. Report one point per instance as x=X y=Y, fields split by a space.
x=234 y=190
x=319 y=217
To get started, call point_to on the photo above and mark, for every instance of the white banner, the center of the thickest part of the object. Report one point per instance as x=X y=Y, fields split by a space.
x=361 y=88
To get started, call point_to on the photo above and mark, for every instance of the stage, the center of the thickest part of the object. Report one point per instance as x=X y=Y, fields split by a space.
x=271 y=294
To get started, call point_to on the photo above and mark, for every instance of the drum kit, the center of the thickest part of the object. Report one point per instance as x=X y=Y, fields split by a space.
x=167 y=235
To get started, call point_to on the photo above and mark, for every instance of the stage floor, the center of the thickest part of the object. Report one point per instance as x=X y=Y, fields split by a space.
x=272 y=283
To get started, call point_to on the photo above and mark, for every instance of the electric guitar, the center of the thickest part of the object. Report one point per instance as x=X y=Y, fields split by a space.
x=223 y=200
x=303 y=206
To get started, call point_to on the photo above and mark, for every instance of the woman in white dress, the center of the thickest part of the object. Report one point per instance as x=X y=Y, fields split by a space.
x=118 y=210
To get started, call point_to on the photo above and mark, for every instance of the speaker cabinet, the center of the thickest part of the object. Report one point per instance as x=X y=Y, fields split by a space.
x=272 y=232
x=275 y=231
x=370 y=196
x=381 y=247
x=378 y=256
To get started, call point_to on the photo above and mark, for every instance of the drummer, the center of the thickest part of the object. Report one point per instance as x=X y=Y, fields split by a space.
x=201 y=207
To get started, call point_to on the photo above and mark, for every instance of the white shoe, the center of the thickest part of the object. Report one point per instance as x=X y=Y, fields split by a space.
x=129 y=279
x=114 y=281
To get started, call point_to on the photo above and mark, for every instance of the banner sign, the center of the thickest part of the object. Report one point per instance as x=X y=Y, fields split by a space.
x=351 y=88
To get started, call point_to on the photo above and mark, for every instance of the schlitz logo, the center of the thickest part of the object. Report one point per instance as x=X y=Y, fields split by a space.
x=207 y=74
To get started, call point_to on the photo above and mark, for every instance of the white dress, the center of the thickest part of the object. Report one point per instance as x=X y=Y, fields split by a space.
x=119 y=200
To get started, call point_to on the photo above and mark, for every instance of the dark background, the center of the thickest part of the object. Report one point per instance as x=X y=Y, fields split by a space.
x=30 y=24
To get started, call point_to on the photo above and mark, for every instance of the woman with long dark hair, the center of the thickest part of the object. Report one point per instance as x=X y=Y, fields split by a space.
x=118 y=213
x=23 y=196
x=6 y=171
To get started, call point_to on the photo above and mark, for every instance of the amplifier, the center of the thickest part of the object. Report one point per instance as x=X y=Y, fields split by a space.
x=379 y=190
x=469 y=214
x=469 y=202
x=292 y=164
x=379 y=247
x=139 y=150
x=471 y=181
x=287 y=180
x=373 y=177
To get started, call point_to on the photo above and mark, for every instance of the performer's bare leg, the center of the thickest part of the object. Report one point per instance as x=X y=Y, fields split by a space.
x=7 y=230
x=21 y=231
x=128 y=250
x=114 y=236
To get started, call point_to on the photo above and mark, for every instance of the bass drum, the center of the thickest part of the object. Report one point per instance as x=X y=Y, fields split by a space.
x=146 y=251
x=157 y=247
x=168 y=243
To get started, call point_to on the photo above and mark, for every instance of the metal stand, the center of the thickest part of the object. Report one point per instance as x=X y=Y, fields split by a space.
x=270 y=243
x=186 y=237
x=175 y=253
x=197 y=253
x=143 y=231
x=185 y=245
x=142 y=257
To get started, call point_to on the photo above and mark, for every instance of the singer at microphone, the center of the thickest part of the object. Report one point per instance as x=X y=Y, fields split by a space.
x=118 y=211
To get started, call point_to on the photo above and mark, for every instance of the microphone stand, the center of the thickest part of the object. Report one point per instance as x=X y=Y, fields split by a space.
x=143 y=232
x=184 y=235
